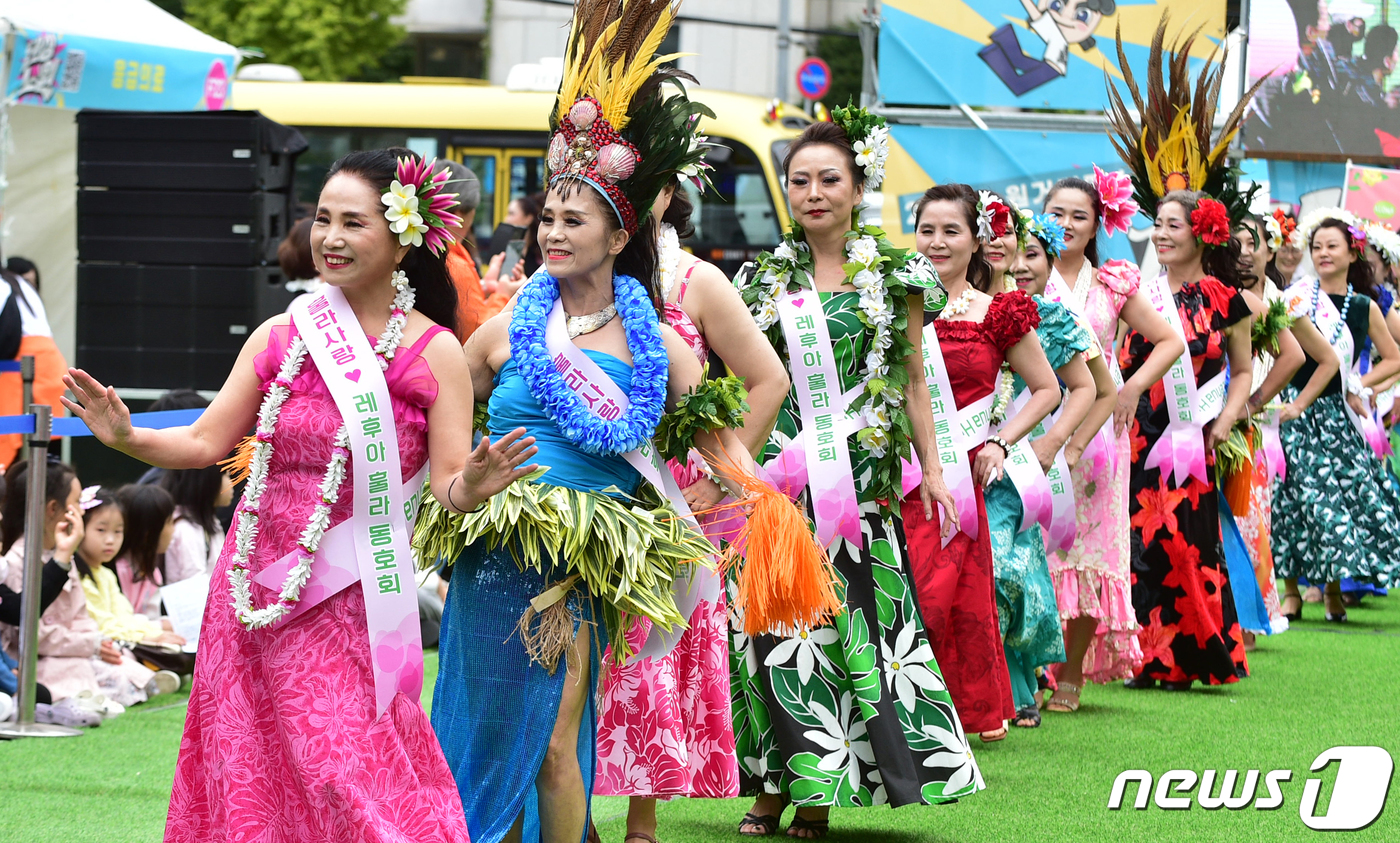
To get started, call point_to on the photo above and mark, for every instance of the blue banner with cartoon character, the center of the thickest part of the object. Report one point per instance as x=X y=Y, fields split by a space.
x=50 y=69
x=1029 y=53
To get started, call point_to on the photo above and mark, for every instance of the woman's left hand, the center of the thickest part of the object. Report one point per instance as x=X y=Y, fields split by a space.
x=987 y=468
x=1218 y=432
x=492 y=466
x=703 y=494
x=933 y=492
x=1073 y=453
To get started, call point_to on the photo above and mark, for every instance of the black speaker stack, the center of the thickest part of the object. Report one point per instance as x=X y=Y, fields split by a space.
x=179 y=219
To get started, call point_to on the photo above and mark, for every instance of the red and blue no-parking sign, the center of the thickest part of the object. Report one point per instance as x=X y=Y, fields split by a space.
x=814 y=78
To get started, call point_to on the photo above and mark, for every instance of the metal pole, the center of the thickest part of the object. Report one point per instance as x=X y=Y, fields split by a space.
x=26 y=373
x=36 y=493
x=784 y=42
x=869 y=39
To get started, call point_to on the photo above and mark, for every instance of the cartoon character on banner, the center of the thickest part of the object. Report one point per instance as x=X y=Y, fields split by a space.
x=1060 y=24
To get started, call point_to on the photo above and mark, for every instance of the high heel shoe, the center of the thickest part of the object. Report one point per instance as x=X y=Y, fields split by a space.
x=1294 y=617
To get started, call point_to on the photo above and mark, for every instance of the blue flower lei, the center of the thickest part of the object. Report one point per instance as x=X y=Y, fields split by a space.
x=650 y=367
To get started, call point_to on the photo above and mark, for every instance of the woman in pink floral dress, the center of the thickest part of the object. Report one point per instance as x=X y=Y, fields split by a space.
x=282 y=741
x=665 y=727
x=1091 y=579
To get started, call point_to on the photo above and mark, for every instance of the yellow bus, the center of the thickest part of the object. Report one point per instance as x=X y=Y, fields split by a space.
x=502 y=134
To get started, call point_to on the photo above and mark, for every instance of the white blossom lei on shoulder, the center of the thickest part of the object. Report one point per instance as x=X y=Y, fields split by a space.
x=884 y=275
x=245 y=521
x=668 y=258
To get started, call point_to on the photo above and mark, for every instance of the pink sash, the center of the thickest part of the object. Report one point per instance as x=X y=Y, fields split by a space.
x=377 y=533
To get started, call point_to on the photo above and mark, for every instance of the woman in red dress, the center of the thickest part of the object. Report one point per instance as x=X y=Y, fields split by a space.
x=976 y=334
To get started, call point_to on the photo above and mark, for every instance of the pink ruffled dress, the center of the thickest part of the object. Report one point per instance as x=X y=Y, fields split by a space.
x=281 y=740
x=665 y=726
x=1092 y=577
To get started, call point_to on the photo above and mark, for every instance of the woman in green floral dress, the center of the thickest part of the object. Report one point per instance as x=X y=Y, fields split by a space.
x=854 y=713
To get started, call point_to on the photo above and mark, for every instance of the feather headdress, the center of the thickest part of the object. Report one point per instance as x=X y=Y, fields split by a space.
x=1173 y=148
x=614 y=128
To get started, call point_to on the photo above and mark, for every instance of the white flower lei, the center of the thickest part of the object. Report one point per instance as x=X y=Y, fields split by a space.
x=668 y=258
x=877 y=309
x=245 y=524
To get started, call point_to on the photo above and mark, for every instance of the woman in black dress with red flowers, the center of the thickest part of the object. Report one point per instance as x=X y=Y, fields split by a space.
x=1180 y=589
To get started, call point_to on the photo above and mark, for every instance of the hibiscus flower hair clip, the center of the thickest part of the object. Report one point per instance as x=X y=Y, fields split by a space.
x=1358 y=239
x=418 y=205
x=1048 y=230
x=1116 y=195
x=993 y=217
x=1210 y=222
x=1280 y=227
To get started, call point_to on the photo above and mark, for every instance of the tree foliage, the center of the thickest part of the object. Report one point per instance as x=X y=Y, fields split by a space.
x=842 y=53
x=325 y=41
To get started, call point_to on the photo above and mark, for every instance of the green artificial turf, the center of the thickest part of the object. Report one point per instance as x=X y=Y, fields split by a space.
x=1315 y=687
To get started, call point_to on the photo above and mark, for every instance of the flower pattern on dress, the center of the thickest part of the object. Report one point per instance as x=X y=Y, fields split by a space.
x=1178 y=561
x=281 y=742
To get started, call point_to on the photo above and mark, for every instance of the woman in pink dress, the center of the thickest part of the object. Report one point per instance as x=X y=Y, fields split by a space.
x=665 y=727
x=1091 y=578
x=282 y=740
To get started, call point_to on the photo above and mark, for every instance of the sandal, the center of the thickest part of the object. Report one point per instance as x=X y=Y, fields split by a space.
x=1061 y=701
x=638 y=835
x=1296 y=615
x=994 y=735
x=1140 y=683
x=767 y=823
x=1027 y=718
x=819 y=828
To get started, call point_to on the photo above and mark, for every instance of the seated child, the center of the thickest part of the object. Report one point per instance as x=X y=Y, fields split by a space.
x=103 y=532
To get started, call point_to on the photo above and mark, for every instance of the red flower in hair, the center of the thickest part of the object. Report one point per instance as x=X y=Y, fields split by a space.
x=1001 y=219
x=1210 y=222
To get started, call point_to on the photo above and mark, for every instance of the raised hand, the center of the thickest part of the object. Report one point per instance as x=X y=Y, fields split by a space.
x=98 y=406
x=68 y=534
x=492 y=466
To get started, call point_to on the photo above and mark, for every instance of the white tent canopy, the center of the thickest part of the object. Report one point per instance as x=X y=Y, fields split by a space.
x=135 y=21
x=38 y=158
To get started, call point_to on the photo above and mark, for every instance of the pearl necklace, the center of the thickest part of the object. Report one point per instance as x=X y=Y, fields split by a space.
x=960 y=305
x=1346 y=307
x=1083 y=283
x=245 y=524
x=590 y=322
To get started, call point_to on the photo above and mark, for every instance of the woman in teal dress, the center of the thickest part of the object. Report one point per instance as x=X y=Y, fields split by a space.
x=556 y=565
x=1026 y=606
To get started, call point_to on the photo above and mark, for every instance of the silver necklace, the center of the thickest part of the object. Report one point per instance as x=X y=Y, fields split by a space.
x=588 y=323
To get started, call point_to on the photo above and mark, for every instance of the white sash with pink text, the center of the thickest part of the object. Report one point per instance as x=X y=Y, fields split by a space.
x=1328 y=320
x=607 y=400
x=1047 y=497
x=1181 y=450
x=956 y=431
x=379 y=528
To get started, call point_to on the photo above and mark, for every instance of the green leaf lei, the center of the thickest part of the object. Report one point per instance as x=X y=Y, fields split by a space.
x=714 y=404
x=885 y=275
x=1264 y=333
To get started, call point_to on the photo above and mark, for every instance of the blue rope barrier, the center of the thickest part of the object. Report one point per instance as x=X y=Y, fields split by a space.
x=76 y=427
x=9 y=365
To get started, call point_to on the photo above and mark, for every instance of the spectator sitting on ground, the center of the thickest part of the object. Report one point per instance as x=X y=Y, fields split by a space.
x=198 y=535
x=175 y=399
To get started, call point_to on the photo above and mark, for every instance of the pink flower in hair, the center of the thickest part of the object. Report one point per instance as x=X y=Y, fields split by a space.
x=1116 y=194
